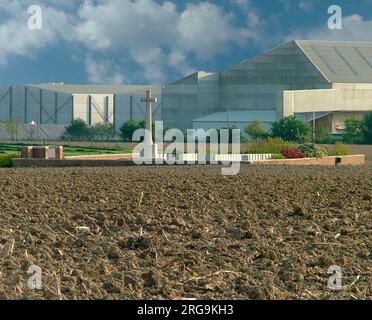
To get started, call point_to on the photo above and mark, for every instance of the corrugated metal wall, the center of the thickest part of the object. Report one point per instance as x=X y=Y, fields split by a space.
x=26 y=104
x=50 y=108
x=130 y=107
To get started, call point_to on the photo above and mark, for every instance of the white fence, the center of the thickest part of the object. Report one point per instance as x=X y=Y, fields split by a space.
x=193 y=157
x=242 y=157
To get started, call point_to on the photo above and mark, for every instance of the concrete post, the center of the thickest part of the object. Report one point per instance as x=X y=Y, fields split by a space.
x=149 y=100
x=151 y=148
x=149 y=116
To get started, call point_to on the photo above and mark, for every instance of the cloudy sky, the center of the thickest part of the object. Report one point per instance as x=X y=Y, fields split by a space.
x=155 y=41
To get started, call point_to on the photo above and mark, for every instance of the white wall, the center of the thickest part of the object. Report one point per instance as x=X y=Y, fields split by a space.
x=101 y=104
x=344 y=99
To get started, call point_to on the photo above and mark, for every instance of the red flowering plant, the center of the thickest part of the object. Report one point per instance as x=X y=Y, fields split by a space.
x=293 y=154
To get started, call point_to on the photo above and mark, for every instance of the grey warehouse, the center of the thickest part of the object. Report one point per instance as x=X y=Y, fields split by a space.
x=325 y=81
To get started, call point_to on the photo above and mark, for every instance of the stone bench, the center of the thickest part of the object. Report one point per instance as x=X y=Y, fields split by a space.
x=47 y=153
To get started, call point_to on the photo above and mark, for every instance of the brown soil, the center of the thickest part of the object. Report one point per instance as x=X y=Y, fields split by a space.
x=186 y=232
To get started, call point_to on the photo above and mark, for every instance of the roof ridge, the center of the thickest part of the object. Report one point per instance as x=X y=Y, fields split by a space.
x=332 y=41
x=311 y=60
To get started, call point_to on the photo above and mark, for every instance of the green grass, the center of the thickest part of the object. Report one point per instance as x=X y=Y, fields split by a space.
x=6 y=159
x=68 y=150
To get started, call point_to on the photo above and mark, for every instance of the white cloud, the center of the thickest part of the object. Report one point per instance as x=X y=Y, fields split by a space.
x=205 y=30
x=18 y=40
x=102 y=72
x=305 y=5
x=355 y=28
x=178 y=59
x=154 y=35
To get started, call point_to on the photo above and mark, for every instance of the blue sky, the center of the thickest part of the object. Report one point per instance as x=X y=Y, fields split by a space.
x=153 y=41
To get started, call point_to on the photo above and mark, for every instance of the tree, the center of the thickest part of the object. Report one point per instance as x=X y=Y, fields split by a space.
x=367 y=127
x=130 y=127
x=354 y=131
x=78 y=129
x=321 y=134
x=104 y=131
x=11 y=127
x=291 y=129
x=256 y=130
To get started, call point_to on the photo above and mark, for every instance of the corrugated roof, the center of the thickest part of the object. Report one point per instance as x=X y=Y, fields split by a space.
x=239 y=116
x=95 y=89
x=340 y=61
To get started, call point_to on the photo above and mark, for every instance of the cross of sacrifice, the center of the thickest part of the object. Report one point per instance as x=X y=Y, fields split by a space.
x=149 y=100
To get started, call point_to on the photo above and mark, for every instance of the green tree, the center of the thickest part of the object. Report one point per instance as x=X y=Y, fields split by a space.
x=367 y=127
x=321 y=134
x=11 y=127
x=354 y=131
x=104 y=131
x=130 y=127
x=291 y=129
x=256 y=130
x=78 y=129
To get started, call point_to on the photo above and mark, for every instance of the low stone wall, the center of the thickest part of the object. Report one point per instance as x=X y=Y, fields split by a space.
x=355 y=160
x=43 y=163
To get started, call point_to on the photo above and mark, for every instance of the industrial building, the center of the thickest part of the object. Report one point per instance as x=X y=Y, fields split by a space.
x=46 y=109
x=323 y=80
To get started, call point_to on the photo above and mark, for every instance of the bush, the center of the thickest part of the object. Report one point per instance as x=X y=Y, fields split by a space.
x=105 y=131
x=78 y=129
x=130 y=127
x=340 y=149
x=293 y=154
x=291 y=129
x=367 y=127
x=231 y=128
x=311 y=150
x=6 y=160
x=353 y=132
x=321 y=134
x=256 y=130
x=278 y=156
x=270 y=145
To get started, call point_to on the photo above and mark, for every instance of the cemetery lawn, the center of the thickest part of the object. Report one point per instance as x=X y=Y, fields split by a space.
x=11 y=148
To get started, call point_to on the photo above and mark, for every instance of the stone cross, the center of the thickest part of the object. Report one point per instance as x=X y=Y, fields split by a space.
x=149 y=100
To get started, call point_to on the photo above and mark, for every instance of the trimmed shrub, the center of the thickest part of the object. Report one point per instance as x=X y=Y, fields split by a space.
x=270 y=145
x=311 y=150
x=340 y=149
x=293 y=154
x=6 y=159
